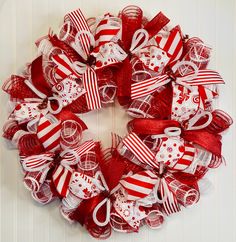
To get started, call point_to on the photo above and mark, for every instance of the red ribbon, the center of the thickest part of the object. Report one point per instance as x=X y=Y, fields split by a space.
x=156 y=24
x=38 y=78
x=208 y=141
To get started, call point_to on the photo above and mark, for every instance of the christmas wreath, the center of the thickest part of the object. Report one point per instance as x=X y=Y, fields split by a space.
x=160 y=77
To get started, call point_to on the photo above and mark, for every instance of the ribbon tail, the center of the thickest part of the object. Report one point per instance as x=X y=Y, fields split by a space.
x=156 y=24
x=169 y=202
x=36 y=162
x=123 y=80
x=140 y=150
x=147 y=87
x=92 y=91
x=61 y=178
x=204 y=77
x=78 y=20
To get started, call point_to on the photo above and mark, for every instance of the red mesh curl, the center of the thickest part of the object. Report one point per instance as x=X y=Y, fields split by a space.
x=161 y=103
x=29 y=144
x=16 y=88
x=10 y=128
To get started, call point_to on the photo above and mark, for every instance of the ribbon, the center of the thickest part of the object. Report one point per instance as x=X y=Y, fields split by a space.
x=134 y=39
x=97 y=52
x=195 y=78
x=172 y=44
x=156 y=24
x=141 y=184
x=63 y=172
x=62 y=175
x=209 y=141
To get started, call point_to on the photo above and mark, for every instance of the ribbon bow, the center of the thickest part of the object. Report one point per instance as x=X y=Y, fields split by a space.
x=96 y=53
x=141 y=184
x=194 y=78
x=63 y=172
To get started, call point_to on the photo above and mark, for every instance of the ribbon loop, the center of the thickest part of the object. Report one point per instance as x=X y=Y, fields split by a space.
x=80 y=47
x=140 y=39
x=190 y=125
x=37 y=162
x=108 y=211
x=172 y=131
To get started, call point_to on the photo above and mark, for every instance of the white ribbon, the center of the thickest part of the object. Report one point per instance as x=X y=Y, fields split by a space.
x=69 y=158
x=168 y=132
x=104 y=201
x=137 y=37
x=201 y=113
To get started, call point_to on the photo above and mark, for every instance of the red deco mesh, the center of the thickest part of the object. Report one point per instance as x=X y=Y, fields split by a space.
x=16 y=88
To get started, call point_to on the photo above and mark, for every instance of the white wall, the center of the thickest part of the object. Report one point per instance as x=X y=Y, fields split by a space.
x=214 y=218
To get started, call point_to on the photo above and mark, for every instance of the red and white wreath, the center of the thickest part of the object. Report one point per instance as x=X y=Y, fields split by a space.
x=160 y=77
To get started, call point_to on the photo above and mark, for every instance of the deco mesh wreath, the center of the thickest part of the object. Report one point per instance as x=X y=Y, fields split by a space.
x=160 y=76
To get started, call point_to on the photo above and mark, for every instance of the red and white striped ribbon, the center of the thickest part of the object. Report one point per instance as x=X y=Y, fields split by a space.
x=172 y=45
x=78 y=20
x=170 y=203
x=64 y=66
x=186 y=160
x=49 y=131
x=203 y=77
x=71 y=157
x=62 y=175
x=92 y=91
x=115 y=140
x=37 y=162
x=89 y=78
x=147 y=87
x=140 y=150
x=139 y=185
x=105 y=31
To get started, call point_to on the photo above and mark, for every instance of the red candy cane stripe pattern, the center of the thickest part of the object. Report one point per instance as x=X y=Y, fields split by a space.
x=147 y=87
x=139 y=185
x=90 y=83
x=173 y=44
x=64 y=66
x=61 y=179
x=62 y=175
x=36 y=162
x=186 y=160
x=140 y=150
x=105 y=32
x=170 y=203
x=48 y=132
x=204 y=77
x=80 y=23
